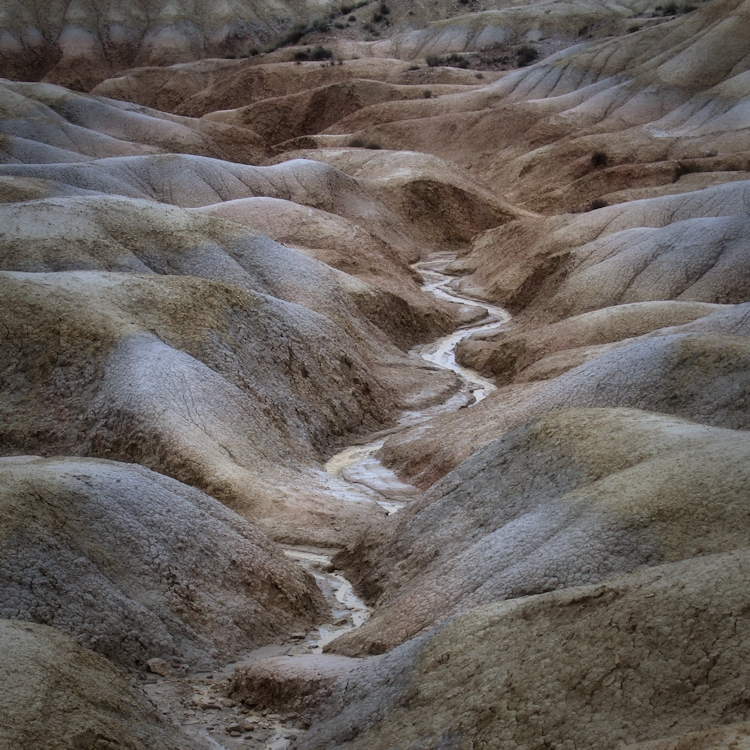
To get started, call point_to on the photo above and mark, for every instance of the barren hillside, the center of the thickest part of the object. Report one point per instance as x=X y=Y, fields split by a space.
x=389 y=360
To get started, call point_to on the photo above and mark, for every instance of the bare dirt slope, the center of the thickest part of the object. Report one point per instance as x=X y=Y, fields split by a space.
x=57 y=694
x=596 y=666
x=206 y=268
x=571 y=498
x=77 y=553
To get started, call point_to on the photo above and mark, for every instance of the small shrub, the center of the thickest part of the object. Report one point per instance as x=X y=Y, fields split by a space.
x=321 y=53
x=229 y=56
x=583 y=30
x=384 y=9
x=457 y=61
x=479 y=75
x=346 y=8
x=464 y=2
x=427 y=94
x=339 y=25
x=633 y=29
x=352 y=19
x=599 y=159
x=356 y=143
x=414 y=67
x=670 y=9
x=526 y=55
x=595 y=204
x=374 y=146
x=377 y=18
x=434 y=61
x=686 y=167
x=254 y=52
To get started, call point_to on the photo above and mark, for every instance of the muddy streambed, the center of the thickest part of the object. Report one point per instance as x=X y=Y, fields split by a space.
x=197 y=701
x=358 y=464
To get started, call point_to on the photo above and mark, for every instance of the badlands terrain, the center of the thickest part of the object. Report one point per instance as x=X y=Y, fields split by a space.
x=374 y=375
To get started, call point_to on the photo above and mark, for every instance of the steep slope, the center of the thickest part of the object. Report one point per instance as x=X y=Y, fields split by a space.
x=697 y=371
x=59 y=695
x=681 y=247
x=568 y=499
x=186 y=376
x=42 y=123
x=643 y=102
x=77 y=553
x=649 y=655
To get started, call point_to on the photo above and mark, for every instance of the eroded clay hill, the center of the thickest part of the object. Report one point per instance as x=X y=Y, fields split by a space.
x=208 y=285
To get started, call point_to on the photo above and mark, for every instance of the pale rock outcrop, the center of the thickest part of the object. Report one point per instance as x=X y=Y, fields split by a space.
x=688 y=247
x=195 y=181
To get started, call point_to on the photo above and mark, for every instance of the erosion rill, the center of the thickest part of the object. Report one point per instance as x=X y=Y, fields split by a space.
x=375 y=376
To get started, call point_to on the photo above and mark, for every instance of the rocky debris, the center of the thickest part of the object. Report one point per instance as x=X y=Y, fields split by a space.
x=139 y=567
x=571 y=498
x=653 y=654
x=159 y=666
x=58 y=695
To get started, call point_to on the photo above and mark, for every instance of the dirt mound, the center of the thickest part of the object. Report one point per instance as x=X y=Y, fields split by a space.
x=442 y=205
x=596 y=666
x=42 y=123
x=695 y=374
x=218 y=586
x=59 y=695
x=686 y=247
x=388 y=293
x=506 y=354
x=186 y=377
x=249 y=84
x=280 y=119
x=572 y=498
x=194 y=181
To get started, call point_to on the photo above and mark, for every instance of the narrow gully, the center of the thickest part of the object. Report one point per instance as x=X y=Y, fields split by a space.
x=194 y=701
x=358 y=464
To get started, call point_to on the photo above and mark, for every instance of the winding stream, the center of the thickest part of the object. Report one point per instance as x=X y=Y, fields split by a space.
x=358 y=463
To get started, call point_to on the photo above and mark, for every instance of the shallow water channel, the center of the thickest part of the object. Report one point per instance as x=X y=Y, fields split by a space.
x=358 y=463
x=211 y=717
